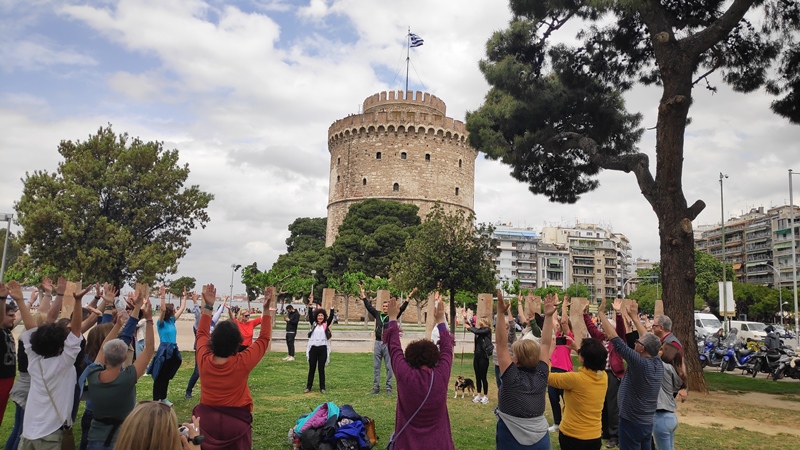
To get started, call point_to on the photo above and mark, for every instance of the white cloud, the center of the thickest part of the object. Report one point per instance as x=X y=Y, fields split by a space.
x=249 y=107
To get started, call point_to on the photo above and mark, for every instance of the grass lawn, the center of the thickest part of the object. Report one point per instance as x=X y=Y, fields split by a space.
x=277 y=389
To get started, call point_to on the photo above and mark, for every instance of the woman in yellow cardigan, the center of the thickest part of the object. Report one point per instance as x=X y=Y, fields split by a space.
x=584 y=394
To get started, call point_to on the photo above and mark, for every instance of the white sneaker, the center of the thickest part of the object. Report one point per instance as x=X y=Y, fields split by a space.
x=286 y=358
x=485 y=400
x=553 y=429
x=290 y=358
x=476 y=399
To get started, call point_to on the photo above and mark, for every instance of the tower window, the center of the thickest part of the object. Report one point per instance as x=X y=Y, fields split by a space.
x=403 y=155
x=459 y=163
x=456 y=191
x=378 y=155
x=427 y=156
x=337 y=178
x=364 y=181
x=338 y=161
x=395 y=187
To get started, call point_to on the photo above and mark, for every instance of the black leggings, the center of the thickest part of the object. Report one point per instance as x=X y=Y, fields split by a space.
x=567 y=442
x=165 y=374
x=481 y=366
x=317 y=357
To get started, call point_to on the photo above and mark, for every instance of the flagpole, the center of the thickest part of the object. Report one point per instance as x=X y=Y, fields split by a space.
x=408 y=57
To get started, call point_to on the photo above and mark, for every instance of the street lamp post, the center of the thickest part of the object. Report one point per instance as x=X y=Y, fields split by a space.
x=234 y=268
x=314 y=278
x=780 y=290
x=724 y=281
x=794 y=256
x=7 y=218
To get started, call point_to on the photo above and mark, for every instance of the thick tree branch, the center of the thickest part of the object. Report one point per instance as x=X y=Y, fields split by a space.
x=693 y=211
x=638 y=163
x=700 y=42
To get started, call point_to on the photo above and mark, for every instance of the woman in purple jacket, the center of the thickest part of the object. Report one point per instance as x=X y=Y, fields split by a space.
x=423 y=377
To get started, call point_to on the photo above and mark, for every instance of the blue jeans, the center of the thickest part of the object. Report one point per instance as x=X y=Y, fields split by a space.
x=505 y=440
x=13 y=441
x=193 y=379
x=98 y=445
x=664 y=425
x=634 y=436
x=555 y=396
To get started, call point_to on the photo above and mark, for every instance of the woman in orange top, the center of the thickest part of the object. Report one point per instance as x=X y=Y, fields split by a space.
x=225 y=401
x=246 y=327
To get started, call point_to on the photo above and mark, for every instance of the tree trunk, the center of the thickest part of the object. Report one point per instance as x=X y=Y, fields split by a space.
x=453 y=312
x=674 y=218
x=347 y=309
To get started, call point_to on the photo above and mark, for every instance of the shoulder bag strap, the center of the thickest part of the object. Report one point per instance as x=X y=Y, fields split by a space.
x=418 y=409
x=52 y=402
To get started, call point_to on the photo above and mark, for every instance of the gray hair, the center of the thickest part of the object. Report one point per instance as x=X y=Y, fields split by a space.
x=651 y=343
x=665 y=322
x=116 y=352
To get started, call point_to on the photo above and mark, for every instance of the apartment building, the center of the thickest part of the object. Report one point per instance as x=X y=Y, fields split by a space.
x=757 y=245
x=518 y=258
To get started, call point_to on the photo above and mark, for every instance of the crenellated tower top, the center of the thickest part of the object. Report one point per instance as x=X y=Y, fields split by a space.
x=420 y=101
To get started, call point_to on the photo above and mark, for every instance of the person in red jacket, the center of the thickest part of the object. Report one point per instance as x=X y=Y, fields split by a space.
x=615 y=369
x=226 y=404
x=246 y=327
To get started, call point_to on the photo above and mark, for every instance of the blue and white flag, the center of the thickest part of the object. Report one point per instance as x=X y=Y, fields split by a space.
x=416 y=41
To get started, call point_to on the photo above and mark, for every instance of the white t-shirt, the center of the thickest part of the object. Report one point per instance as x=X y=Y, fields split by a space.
x=317 y=337
x=59 y=374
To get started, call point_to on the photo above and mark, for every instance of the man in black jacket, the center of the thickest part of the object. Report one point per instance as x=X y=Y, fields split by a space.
x=292 y=318
x=381 y=350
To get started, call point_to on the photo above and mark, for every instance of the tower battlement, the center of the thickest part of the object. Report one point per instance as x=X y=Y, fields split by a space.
x=382 y=99
x=404 y=148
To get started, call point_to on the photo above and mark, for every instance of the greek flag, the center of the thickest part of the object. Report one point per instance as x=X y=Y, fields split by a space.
x=416 y=41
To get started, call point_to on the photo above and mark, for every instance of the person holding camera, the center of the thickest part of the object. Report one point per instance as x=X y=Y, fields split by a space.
x=153 y=425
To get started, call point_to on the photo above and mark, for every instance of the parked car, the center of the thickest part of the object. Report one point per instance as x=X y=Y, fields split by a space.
x=752 y=330
x=706 y=324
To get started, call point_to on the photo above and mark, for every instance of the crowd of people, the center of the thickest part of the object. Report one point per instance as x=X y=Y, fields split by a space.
x=625 y=390
x=100 y=351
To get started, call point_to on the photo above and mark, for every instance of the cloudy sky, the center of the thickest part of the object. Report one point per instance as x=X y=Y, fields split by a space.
x=246 y=91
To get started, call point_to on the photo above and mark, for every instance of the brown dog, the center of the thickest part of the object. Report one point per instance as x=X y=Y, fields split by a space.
x=463 y=384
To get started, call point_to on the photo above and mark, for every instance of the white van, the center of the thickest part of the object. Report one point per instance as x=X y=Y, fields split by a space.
x=706 y=323
x=752 y=330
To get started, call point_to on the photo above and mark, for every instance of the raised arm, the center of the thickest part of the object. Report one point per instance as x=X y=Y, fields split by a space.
x=55 y=307
x=162 y=292
x=47 y=296
x=609 y=329
x=149 y=340
x=565 y=316
x=101 y=356
x=501 y=336
x=14 y=290
x=391 y=337
x=183 y=305
x=547 y=329
x=405 y=303
x=632 y=314
x=266 y=323
x=371 y=309
x=77 y=311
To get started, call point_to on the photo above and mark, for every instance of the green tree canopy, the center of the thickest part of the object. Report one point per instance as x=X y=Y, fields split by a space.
x=13 y=252
x=176 y=286
x=449 y=253
x=116 y=210
x=555 y=112
x=371 y=238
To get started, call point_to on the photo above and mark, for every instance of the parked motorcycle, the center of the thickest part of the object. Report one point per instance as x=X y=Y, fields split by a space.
x=728 y=351
x=783 y=363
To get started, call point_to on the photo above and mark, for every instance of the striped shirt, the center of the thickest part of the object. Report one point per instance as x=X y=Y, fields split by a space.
x=638 y=392
x=523 y=390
